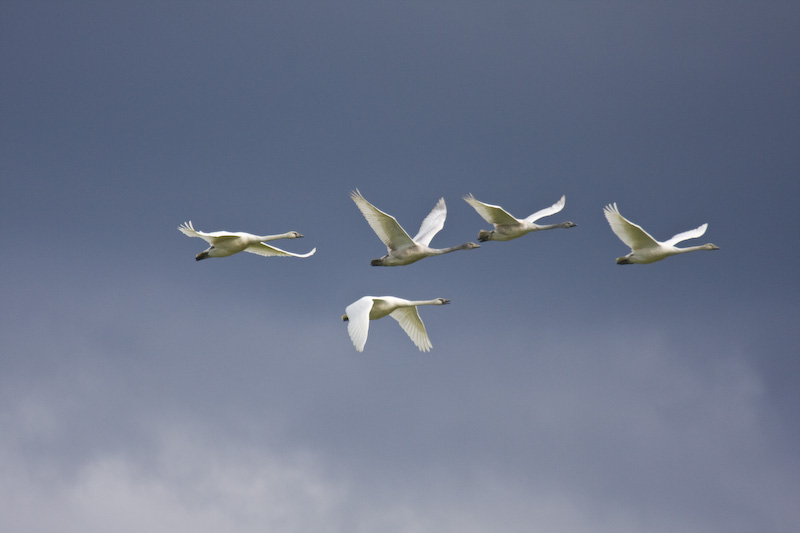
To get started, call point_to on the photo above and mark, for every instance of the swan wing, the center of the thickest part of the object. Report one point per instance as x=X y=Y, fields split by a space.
x=628 y=232
x=547 y=211
x=409 y=320
x=358 y=321
x=270 y=251
x=384 y=225
x=493 y=214
x=690 y=234
x=211 y=238
x=188 y=229
x=432 y=224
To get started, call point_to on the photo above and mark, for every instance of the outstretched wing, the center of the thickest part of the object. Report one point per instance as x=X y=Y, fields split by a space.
x=409 y=320
x=358 y=321
x=432 y=224
x=690 y=234
x=270 y=251
x=493 y=214
x=385 y=226
x=628 y=232
x=188 y=229
x=547 y=211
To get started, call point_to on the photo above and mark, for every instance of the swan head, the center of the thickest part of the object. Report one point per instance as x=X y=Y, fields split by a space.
x=470 y=246
x=344 y=318
x=484 y=235
x=443 y=301
x=568 y=224
x=294 y=235
x=710 y=246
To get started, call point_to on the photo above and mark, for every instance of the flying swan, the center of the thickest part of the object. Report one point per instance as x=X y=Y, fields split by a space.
x=644 y=248
x=507 y=227
x=402 y=249
x=225 y=243
x=359 y=313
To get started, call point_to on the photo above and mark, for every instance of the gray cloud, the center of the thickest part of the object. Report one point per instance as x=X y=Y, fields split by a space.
x=618 y=426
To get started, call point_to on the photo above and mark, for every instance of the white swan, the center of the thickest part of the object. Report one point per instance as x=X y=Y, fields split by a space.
x=507 y=227
x=225 y=243
x=644 y=248
x=402 y=249
x=359 y=313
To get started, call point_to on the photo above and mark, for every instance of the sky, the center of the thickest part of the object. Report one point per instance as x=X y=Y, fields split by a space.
x=141 y=390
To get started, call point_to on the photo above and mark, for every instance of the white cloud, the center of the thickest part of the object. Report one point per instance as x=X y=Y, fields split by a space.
x=191 y=485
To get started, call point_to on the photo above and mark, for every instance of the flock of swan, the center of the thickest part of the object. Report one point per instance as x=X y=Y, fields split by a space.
x=403 y=250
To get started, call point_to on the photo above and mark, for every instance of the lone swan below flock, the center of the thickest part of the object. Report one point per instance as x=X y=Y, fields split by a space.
x=359 y=313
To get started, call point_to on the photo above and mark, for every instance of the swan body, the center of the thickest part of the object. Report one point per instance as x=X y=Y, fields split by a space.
x=644 y=248
x=225 y=243
x=359 y=313
x=402 y=249
x=507 y=227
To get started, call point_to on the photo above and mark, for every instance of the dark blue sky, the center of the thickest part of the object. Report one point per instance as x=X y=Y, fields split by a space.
x=143 y=390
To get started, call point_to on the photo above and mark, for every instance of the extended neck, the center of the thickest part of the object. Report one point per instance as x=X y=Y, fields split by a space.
x=287 y=235
x=465 y=246
x=707 y=246
x=435 y=301
x=554 y=226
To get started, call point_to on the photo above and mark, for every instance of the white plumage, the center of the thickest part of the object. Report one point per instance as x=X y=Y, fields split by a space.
x=359 y=313
x=507 y=227
x=644 y=248
x=225 y=243
x=402 y=249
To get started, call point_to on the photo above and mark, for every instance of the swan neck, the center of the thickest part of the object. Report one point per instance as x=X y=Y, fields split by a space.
x=441 y=251
x=551 y=226
x=425 y=302
x=691 y=249
x=264 y=238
